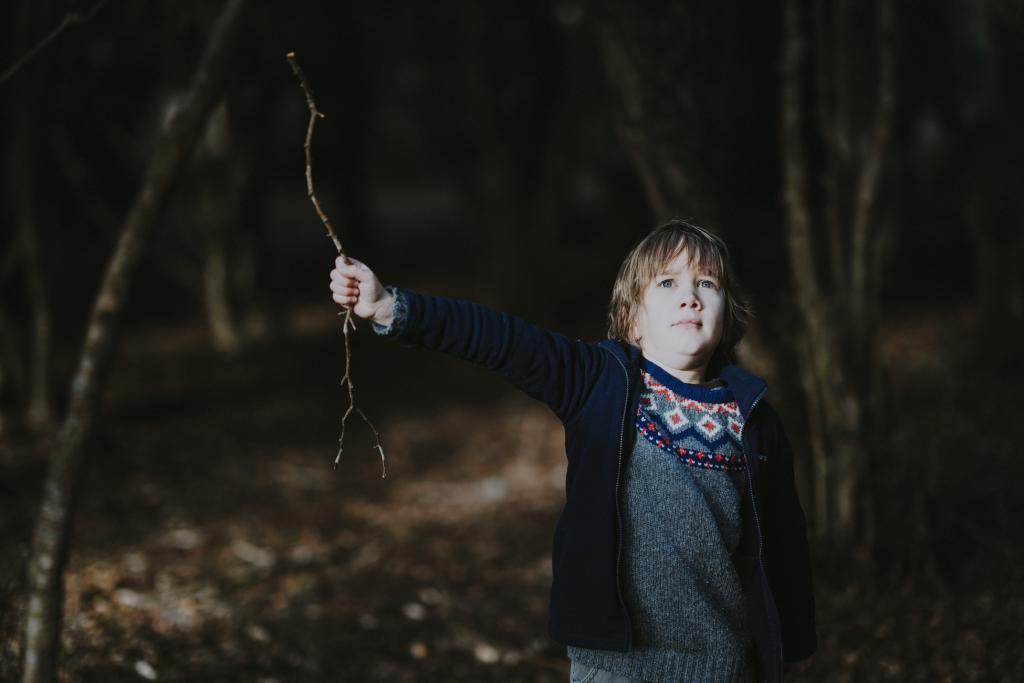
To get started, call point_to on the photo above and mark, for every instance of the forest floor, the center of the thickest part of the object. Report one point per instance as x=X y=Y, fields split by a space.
x=215 y=541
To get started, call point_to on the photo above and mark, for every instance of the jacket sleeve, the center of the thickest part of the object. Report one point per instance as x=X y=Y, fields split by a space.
x=545 y=365
x=787 y=555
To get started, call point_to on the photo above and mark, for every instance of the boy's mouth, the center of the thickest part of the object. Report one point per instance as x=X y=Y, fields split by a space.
x=684 y=323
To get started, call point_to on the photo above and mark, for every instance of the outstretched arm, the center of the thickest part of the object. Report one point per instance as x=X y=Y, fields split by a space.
x=546 y=365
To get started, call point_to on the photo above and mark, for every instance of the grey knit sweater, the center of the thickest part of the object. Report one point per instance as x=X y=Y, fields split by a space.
x=684 y=486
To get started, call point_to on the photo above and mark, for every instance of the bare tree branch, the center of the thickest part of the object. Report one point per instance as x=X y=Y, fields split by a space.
x=70 y=19
x=314 y=114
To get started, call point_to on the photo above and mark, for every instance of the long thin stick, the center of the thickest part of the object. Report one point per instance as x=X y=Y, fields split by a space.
x=314 y=114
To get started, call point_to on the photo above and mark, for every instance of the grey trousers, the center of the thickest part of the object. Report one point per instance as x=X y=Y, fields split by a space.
x=581 y=673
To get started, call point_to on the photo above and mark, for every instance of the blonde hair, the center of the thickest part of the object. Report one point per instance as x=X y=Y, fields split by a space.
x=650 y=256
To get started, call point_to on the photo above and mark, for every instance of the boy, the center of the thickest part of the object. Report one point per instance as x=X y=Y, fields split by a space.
x=681 y=552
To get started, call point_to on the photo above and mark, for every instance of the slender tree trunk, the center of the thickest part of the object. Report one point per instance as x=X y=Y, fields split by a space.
x=254 y=321
x=828 y=99
x=864 y=214
x=11 y=364
x=39 y=415
x=819 y=449
x=216 y=297
x=810 y=299
x=213 y=208
x=50 y=542
x=21 y=176
x=840 y=324
x=5 y=381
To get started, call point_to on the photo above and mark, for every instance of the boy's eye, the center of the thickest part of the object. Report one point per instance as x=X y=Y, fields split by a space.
x=707 y=283
x=666 y=283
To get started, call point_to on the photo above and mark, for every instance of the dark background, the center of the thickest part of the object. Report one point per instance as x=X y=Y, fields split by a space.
x=480 y=150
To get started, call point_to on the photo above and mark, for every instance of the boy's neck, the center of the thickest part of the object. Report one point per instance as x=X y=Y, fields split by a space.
x=694 y=375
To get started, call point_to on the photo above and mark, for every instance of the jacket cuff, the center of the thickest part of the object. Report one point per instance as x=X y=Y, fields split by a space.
x=399 y=315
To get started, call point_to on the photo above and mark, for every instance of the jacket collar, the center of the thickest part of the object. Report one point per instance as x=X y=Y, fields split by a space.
x=746 y=387
x=627 y=354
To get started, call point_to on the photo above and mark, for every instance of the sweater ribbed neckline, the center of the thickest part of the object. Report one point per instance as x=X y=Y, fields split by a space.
x=712 y=391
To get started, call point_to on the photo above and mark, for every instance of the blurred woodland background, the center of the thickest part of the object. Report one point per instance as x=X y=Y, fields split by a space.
x=170 y=355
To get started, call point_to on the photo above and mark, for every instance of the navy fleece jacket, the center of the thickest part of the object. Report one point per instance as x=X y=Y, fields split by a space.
x=593 y=389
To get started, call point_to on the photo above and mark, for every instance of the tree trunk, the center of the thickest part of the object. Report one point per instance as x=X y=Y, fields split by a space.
x=39 y=414
x=21 y=175
x=50 y=542
x=214 y=205
x=839 y=321
x=216 y=297
x=8 y=362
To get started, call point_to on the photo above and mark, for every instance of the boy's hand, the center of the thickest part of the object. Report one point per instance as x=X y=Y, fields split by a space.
x=354 y=285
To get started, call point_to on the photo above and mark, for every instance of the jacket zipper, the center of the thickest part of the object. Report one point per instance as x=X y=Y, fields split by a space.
x=753 y=505
x=750 y=483
x=618 y=511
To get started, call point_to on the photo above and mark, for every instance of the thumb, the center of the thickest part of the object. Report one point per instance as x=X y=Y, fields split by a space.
x=353 y=269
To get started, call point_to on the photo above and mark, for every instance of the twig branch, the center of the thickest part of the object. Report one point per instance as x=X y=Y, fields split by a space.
x=71 y=18
x=346 y=381
x=871 y=171
x=314 y=114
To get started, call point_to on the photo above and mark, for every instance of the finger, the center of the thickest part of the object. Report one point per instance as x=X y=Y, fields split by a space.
x=344 y=290
x=345 y=280
x=356 y=273
x=340 y=261
x=355 y=266
x=344 y=283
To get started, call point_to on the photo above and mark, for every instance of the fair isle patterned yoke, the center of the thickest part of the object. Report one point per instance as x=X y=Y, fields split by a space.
x=699 y=424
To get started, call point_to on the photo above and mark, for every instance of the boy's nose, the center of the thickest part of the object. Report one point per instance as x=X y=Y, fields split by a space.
x=689 y=300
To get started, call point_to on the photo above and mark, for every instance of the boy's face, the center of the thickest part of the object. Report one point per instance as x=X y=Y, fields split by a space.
x=681 y=318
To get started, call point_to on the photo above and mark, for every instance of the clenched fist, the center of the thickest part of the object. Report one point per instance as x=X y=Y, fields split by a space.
x=354 y=285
